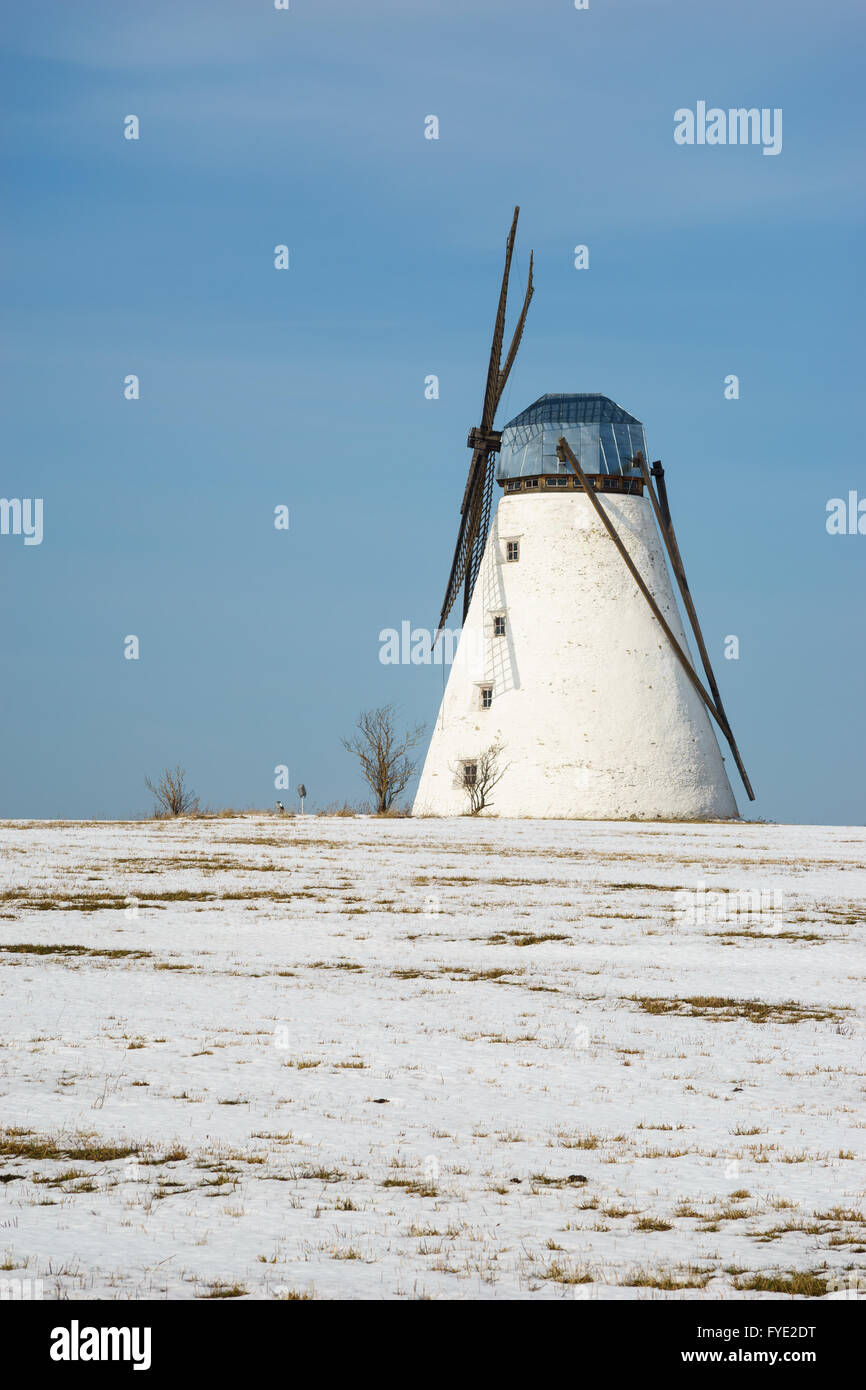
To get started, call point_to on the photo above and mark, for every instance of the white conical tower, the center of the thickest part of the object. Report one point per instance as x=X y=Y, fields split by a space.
x=561 y=660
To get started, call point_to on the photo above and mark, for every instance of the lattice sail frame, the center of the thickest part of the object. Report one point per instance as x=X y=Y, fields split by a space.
x=484 y=443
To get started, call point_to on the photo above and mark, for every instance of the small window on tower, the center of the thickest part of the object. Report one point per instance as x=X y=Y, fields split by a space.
x=486 y=696
x=499 y=625
x=512 y=550
x=470 y=774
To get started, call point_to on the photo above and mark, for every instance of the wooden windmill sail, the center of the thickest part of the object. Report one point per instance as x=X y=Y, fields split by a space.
x=484 y=442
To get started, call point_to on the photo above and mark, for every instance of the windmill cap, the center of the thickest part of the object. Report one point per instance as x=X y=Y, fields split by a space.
x=604 y=436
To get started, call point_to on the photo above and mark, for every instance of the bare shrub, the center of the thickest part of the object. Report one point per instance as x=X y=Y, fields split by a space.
x=173 y=798
x=478 y=776
x=384 y=754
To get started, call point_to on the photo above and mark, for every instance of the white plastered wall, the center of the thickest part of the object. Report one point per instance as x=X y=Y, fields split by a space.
x=597 y=716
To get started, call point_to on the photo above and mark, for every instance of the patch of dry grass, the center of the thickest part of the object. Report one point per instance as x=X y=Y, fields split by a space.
x=752 y=1010
x=800 y=1284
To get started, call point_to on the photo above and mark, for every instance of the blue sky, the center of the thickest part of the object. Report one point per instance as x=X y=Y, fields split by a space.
x=306 y=387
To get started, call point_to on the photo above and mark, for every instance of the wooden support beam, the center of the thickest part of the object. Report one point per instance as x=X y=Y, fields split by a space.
x=666 y=527
x=566 y=455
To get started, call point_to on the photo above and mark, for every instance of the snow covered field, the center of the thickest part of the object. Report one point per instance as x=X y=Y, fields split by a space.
x=350 y=1058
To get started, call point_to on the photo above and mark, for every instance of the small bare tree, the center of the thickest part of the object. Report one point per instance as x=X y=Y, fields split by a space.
x=384 y=754
x=478 y=776
x=173 y=798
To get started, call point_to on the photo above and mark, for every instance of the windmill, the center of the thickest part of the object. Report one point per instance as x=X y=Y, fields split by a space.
x=573 y=659
x=484 y=442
